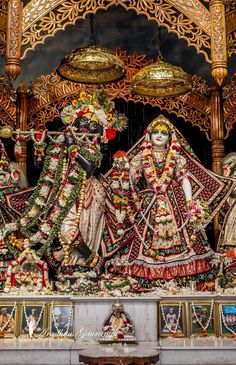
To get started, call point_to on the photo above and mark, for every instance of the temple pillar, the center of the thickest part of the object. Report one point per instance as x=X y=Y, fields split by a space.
x=217 y=135
x=14 y=36
x=218 y=40
x=21 y=120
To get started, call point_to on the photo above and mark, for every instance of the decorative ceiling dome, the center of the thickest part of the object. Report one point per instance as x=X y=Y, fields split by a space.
x=161 y=79
x=91 y=64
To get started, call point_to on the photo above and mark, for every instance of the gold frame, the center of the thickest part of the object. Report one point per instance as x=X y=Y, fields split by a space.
x=32 y=304
x=191 y=317
x=220 y=327
x=183 y=315
x=50 y=322
x=13 y=334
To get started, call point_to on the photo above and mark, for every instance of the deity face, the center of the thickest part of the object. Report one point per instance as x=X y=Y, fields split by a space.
x=160 y=137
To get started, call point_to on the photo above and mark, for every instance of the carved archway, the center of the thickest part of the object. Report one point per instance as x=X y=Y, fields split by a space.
x=189 y=19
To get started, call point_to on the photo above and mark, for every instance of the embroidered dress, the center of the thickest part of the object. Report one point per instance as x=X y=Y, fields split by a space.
x=157 y=243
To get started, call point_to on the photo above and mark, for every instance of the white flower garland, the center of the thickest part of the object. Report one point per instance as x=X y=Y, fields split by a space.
x=60 y=332
x=173 y=331
x=224 y=321
x=9 y=319
x=204 y=328
x=27 y=317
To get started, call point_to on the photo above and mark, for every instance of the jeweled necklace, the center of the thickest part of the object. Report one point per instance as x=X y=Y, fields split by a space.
x=204 y=328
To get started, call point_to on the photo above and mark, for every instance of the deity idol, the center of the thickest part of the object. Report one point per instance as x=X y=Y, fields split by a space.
x=163 y=199
x=65 y=216
x=227 y=239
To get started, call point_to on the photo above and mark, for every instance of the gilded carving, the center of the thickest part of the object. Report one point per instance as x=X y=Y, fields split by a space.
x=3 y=26
x=43 y=20
x=7 y=110
x=231 y=27
x=218 y=40
x=230 y=105
x=51 y=94
x=14 y=32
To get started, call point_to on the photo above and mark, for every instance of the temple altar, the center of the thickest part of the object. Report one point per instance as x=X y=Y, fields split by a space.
x=117 y=182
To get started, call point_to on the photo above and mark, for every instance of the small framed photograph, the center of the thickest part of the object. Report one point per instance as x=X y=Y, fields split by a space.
x=61 y=320
x=202 y=319
x=8 y=320
x=172 y=320
x=227 y=319
x=33 y=320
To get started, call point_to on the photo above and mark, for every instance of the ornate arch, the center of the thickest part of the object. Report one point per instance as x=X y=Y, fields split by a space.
x=51 y=94
x=189 y=19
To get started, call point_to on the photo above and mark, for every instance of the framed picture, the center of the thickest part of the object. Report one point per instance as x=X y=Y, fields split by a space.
x=202 y=319
x=172 y=321
x=61 y=320
x=227 y=319
x=33 y=320
x=8 y=320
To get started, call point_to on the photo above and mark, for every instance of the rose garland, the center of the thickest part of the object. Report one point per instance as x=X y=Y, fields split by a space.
x=173 y=331
x=60 y=332
x=9 y=319
x=204 y=328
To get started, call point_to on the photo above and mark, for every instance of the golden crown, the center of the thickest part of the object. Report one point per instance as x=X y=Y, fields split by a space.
x=160 y=120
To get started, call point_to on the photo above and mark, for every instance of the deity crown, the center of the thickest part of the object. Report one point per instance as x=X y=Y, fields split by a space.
x=161 y=120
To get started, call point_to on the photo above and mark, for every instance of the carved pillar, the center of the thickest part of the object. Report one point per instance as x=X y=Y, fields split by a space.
x=14 y=35
x=217 y=129
x=218 y=40
x=217 y=133
x=21 y=120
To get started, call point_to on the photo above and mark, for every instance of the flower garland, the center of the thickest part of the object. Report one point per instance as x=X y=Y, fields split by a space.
x=9 y=319
x=66 y=244
x=159 y=184
x=39 y=143
x=49 y=182
x=28 y=252
x=173 y=331
x=60 y=332
x=27 y=317
x=233 y=333
x=120 y=185
x=204 y=328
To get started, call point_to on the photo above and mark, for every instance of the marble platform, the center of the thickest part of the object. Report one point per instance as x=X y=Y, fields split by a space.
x=89 y=315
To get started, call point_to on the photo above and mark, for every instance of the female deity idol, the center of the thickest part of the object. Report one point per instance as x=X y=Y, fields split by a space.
x=161 y=205
x=227 y=238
